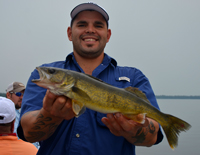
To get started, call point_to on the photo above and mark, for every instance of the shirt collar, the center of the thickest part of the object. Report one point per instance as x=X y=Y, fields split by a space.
x=107 y=59
x=8 y=134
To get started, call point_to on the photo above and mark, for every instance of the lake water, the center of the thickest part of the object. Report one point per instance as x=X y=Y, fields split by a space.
x=188 y=142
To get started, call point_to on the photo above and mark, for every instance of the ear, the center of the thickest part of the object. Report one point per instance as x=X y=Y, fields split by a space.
x=108 y=35
x=8 y=95
x=69 y=33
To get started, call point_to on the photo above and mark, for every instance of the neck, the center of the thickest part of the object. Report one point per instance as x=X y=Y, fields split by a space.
x=87 y=64
x=5 y=129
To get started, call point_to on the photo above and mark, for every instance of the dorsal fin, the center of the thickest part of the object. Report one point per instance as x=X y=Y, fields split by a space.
x=137 y=92
x=97 y=79
x=94 y=78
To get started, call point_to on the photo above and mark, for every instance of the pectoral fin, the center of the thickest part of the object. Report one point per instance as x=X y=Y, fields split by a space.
x=64 y=89
x=140 y=118
x=78 y=108
x=80 y=93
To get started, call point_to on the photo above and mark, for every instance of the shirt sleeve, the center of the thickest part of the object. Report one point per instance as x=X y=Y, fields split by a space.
x=32 y=100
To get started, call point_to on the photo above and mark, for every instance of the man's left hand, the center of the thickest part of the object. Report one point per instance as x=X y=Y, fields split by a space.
x=137 y=134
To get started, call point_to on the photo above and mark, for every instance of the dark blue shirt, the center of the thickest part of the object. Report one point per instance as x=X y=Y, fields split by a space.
x=87 y=135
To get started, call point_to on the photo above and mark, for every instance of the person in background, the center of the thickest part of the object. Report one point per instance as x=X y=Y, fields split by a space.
x=9 y=143
x=49 y=118
x=15 y=92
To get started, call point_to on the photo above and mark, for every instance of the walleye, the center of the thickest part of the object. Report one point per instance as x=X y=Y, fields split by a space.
x=87 y=91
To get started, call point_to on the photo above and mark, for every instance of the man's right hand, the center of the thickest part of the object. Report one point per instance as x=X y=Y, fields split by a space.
x=40 y=124
x=58 y=106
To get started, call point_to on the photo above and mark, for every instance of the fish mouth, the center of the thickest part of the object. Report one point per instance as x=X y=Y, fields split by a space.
x=41 y=74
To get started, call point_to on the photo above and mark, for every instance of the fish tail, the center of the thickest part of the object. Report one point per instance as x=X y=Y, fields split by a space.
x=173 y=128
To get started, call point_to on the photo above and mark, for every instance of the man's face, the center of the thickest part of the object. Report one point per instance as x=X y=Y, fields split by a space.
x=89 y=34
x=16 y=99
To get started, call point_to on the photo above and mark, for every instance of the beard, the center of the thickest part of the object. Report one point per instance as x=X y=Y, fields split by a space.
x=17 y=106
x=90 y=52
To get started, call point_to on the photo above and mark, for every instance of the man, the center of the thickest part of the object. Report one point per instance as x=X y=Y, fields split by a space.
x=9 y=143
x=15 y=92
x=49 y=118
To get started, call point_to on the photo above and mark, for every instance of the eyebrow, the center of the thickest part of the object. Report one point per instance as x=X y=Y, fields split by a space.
x=99 y=23
x=81 y=22
x=85 y=22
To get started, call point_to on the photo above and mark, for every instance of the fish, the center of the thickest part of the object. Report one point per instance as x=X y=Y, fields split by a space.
x=87 y=91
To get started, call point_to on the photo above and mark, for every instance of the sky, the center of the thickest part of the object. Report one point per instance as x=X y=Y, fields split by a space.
x=159 y=37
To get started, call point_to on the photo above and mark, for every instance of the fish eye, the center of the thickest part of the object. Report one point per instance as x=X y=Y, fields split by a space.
x=51 y=71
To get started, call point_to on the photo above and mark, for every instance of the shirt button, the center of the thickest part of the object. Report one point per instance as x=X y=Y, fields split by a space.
x=77 y=135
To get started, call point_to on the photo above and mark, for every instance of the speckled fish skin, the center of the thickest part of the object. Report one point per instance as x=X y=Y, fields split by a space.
x=87 y=91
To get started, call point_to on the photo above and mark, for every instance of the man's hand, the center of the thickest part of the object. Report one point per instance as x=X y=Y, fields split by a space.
x=137 y=134
x=40 y=124
x=58 y=106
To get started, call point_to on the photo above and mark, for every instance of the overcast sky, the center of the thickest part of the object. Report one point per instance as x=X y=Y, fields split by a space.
x=159 y=37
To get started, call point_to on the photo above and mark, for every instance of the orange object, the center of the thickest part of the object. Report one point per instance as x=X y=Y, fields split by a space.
x=11 y=145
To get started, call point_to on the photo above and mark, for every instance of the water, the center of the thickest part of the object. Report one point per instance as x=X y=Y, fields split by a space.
x=189 y=142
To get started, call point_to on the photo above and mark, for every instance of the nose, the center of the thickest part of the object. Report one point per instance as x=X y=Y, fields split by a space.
x=90 y=29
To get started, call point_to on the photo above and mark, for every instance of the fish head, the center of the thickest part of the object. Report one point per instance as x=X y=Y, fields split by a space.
x=52 y=78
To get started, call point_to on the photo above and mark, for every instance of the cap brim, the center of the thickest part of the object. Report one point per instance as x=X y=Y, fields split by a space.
x=19 y=89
